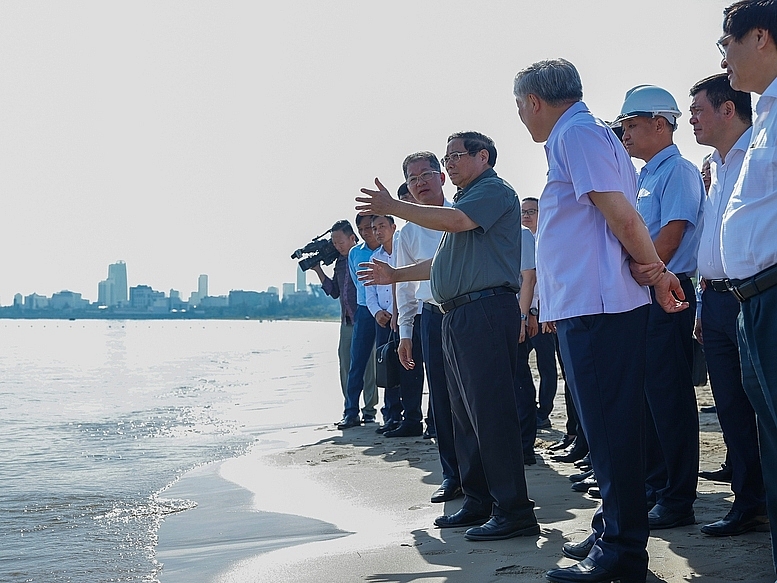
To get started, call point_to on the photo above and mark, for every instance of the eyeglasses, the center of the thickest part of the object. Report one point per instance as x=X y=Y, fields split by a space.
x=423 y=177
x=722 y=44
x=454 y=157
x=528 y=212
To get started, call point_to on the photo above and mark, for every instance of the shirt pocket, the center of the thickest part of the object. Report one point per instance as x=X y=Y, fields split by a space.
x=645 y=204
x=762 y=165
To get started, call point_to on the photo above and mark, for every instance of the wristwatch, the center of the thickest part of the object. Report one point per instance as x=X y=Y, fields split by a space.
x=534 y=311
x=524 y=317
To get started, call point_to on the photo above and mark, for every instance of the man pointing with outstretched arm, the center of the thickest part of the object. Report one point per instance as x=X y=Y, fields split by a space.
x=474 y=278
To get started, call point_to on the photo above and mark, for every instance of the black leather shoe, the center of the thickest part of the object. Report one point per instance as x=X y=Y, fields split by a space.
x=595 y=492
x=543 y=423
x=724 y=474
x=348 y=422
x=367 y=419
x=529 y=460
x=712 y=409
x=584 y=463
x=662 y=517
x=501 y=527
x=448 y=490
x=390 y=426
x=586 y=571
x=735 y=523
x=461 y=518
x=564 y=443
x=585 y=485
x=581 y=476
x=575 y=454
x=406 y=430
x=429 y=433
x=579 y=551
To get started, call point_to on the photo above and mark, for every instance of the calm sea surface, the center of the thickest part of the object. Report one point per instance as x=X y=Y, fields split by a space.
x=98 y=417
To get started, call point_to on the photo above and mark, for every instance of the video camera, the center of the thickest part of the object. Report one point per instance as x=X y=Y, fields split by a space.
x=319 y=250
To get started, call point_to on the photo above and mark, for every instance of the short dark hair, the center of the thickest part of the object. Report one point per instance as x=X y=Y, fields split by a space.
x=402 y=190
x=743 y=16
x=360 y=218
x=719 y=90
x=344 y=226
x=531 y=199
x=474 y=142
x=389 y=218
x=428 y=156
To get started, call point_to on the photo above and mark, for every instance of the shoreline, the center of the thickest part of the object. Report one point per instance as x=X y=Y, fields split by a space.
x=370 y=497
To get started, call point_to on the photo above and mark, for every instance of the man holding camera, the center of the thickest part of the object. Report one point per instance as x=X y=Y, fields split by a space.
x=341 y=286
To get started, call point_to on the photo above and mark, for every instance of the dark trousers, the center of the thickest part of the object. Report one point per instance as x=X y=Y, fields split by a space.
x=412 y=381
x=525 y=393
x=604 y=359
x=737 y=419
x=544 y=345
x=391 y=411
x=362 y=343
x=480 y=340
x=758 y=349
x=434 y=360
x=672 y=427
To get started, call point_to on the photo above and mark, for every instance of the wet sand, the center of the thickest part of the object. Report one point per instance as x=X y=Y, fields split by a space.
x=354 y=506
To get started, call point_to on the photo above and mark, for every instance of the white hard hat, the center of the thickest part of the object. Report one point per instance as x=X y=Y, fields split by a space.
x=648 y=101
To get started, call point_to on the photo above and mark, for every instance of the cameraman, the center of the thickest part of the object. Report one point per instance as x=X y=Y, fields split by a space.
x=341 y=286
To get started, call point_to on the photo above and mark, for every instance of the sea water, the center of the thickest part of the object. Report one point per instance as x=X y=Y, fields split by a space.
x=97 y=418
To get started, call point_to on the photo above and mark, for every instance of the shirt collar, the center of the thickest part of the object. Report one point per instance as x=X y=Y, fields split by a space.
x=565 y=118
x=768 y=96
x=741 y=144
x=488 y=172
x=666 y=153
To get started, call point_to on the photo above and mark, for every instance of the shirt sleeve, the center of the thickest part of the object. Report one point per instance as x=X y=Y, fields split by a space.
x=371 y=295
x=407 y=304
x=527 y=250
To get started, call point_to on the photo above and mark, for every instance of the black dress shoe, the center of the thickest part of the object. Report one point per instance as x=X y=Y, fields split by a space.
x=461 y=518
x=712 y=409
x=368 y=419
x=390 y=426
x=735 y=523
x=595 y=492
x=724 y=474
x=579 y=551
x=581 y=476
x=529 y=460
x=585 y=485
x=448 y=490
x=348 y=422
x=563 y=443
x=575 y=454
x=501 y=527
x=406 y=430
x=662 y=517
x=586 y=571
x=584 y=463
x=429 y=433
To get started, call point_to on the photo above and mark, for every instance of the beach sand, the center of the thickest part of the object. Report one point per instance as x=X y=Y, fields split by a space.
x=352 y=506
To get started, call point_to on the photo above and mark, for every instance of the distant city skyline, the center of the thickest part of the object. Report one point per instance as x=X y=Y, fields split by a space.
x=114 y=290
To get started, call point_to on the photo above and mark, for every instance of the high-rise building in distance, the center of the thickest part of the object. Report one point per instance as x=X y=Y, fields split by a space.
x=302 y=280
x=202 y=286
x=117 y=272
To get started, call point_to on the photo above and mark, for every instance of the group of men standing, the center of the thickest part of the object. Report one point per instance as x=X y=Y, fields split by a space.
x=615 y=254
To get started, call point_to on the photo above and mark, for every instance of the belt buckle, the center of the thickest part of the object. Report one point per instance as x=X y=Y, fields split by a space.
x=734 y=290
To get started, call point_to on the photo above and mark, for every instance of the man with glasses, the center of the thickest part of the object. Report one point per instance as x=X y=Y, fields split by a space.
x=474 y=277
x=425 y=180
x=748 y=244
x=600 y=311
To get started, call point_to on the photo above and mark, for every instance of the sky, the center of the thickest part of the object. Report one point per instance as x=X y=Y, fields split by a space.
x=218 y=137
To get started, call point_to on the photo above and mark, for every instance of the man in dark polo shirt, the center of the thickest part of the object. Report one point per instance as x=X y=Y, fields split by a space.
x=474 y=277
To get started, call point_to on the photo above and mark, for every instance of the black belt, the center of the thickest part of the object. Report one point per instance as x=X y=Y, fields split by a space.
x=434 y=308
x=459 y=301
x=683 y=276
x=744 y=289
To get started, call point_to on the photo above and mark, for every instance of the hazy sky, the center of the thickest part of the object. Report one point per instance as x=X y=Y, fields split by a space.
x=217 y=137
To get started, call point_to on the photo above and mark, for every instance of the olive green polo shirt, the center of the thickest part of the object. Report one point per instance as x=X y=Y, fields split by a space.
x=487 y=256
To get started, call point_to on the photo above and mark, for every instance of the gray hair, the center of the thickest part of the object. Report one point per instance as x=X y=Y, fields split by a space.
x=555 y=81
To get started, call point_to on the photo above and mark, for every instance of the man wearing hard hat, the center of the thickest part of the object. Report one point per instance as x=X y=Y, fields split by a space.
x=670 y=197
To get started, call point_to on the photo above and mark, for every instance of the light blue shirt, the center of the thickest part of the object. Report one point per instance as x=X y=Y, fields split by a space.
x=359 y=254
x=582 y=268
x=670 y=188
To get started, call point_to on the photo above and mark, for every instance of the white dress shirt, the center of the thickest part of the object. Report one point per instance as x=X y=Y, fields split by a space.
x=723 y=178
x=381 y=297
x=416 y=244
x=750 y=221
